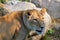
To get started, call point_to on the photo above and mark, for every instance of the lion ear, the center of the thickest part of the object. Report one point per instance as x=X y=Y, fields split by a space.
x=43 y=11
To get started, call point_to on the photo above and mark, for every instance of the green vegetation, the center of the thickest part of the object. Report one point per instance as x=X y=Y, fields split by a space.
x=59 y=35
x=47 y=37
x=24 y=0
x=50 y=31
x=2 y=1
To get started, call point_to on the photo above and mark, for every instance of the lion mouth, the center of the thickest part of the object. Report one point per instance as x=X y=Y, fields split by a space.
x=40 y=31
x=37 y=32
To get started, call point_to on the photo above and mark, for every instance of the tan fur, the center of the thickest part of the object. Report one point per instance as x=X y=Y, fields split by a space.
x=36 y=14
x=11 y=24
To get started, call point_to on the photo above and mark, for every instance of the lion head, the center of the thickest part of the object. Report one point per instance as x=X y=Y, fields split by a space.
x=34 y=20
x=38 y=21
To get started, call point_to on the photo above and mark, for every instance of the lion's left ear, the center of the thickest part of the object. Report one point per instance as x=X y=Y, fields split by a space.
x=43 y=11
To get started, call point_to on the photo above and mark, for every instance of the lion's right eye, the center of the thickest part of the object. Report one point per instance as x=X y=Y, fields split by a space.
x=35 y=20
x=28 y=14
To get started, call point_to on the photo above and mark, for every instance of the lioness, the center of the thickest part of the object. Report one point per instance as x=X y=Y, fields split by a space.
x=47 y=22
x=13 y=24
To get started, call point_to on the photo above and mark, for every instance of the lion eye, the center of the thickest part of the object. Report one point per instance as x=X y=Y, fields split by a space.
x=28 y=14
x=35 y=20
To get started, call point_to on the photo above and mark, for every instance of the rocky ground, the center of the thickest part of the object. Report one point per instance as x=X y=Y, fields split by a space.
x=54 y=36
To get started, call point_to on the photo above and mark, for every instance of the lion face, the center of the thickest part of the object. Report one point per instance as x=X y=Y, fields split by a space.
x=34 y=20
x=41 y=21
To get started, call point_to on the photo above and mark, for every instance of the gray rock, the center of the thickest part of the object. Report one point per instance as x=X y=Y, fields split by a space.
x=18 y=5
